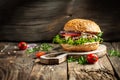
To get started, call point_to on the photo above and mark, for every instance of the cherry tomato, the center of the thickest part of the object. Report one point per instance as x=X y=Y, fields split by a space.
x=71 y=34
x=92 y=58
x=38 y=54
x=22 y=45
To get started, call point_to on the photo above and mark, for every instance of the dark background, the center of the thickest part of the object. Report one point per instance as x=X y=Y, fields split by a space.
x=41 y=20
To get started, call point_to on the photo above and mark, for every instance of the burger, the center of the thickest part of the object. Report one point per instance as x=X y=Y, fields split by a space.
x=79 y=35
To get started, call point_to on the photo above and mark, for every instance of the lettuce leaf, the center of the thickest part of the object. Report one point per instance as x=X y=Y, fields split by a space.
x=58 y=39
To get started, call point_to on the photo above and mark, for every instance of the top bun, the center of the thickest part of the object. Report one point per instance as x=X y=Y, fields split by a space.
x=82 y=25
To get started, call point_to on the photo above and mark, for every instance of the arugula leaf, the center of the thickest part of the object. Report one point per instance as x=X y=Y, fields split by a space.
x=114 y=53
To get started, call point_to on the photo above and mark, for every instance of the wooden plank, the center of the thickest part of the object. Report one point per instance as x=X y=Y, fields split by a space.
x=102 y=70
x=116 y=65
x=8 y=50
x=23 y=64
x=109 y=46
x=24 y=67
x=116 y=46
x=8 y=70
x=49 y=72
x=15 y=64
x=116 y=60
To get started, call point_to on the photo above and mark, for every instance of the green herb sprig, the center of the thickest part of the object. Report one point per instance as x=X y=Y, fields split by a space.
x=71 y=59
x=45 y=47
x=42 y=47
x=80 y=60
x=114 y=53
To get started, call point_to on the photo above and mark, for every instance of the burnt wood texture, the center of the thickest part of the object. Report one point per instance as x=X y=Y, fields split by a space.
x=38 y=20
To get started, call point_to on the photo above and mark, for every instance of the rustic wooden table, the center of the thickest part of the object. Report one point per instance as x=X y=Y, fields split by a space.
x=17 y=65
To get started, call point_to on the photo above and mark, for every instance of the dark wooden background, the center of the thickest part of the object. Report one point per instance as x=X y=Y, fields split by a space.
x=40 y=20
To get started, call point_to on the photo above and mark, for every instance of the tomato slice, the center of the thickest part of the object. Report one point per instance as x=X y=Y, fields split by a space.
x=38 y=54
x=71 y=34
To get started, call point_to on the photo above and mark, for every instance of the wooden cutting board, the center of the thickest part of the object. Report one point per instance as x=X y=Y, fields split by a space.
x=59 y=57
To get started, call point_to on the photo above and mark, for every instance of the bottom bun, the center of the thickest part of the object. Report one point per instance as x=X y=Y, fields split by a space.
x=82 y=47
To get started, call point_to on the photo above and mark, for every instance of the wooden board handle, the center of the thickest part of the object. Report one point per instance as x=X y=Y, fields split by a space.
x=59 y=57
x=53 y=58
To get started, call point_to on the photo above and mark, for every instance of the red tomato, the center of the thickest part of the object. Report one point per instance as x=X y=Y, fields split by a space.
x=71 y=34
x=22 y=45
x=38 y=54
x=92 y=58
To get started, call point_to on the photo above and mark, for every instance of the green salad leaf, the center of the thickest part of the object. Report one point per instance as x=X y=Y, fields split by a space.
x=58 y=39
x=100 y=34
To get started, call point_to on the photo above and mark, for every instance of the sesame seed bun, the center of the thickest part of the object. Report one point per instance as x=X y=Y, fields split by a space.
x=82 y=25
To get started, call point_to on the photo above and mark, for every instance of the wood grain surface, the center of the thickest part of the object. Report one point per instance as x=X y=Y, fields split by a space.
x=115 y=60
x=49 y=72
x=17 y=65
x=101 y=70
x=14 y=64
x=38 y=20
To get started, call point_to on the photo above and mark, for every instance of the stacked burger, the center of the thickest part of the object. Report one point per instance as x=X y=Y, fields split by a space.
x=79 y=35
